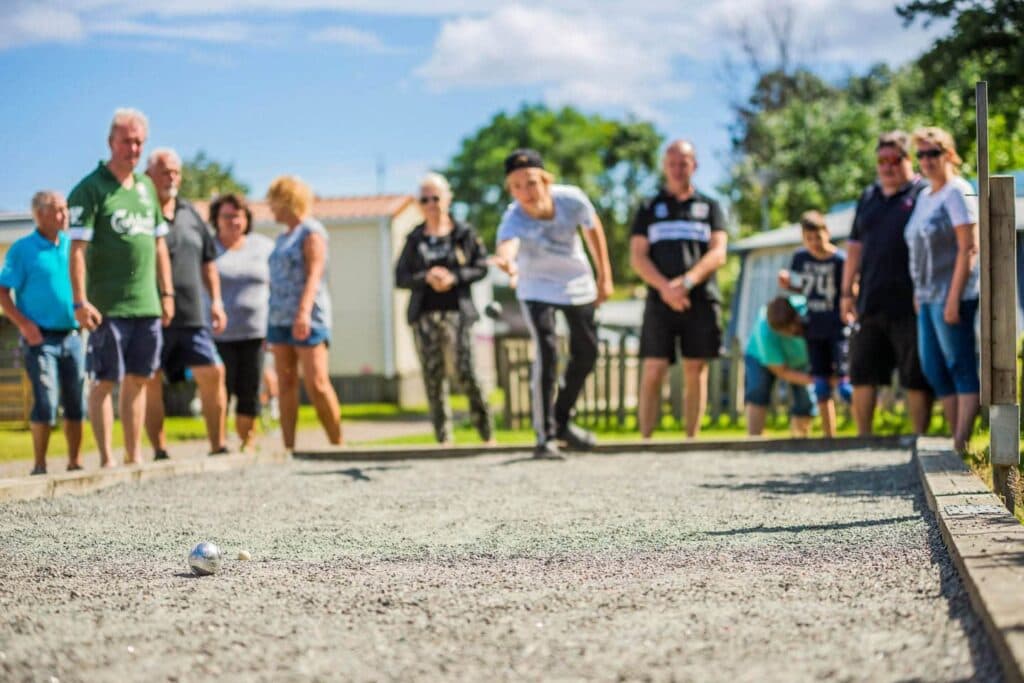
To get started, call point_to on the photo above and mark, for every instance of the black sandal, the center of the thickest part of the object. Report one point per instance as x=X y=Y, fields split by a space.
x=38 y=470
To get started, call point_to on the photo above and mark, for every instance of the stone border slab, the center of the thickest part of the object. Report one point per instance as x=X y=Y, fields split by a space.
x=745 y=444
x=78 y=483
x=986 y=544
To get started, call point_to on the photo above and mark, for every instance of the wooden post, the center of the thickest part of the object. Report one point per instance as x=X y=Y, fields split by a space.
x=998 y=264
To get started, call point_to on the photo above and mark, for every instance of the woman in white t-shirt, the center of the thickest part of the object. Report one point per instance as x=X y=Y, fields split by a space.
x=942 y=237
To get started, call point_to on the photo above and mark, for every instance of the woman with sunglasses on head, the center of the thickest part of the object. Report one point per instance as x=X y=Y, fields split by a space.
x=441 y=258
x=942 y=237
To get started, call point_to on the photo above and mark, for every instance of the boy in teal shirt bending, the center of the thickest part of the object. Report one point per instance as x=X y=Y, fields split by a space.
x=777 y=350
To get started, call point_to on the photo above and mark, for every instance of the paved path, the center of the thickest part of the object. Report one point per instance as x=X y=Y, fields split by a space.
x=356 y=432
x=703 y=566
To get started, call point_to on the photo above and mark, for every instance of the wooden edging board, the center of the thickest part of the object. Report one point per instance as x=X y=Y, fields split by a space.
x=986 y=544
x=77 y=483
x=745 y=444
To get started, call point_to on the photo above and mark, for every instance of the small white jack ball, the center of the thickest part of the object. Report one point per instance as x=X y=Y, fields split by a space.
x=244 y=555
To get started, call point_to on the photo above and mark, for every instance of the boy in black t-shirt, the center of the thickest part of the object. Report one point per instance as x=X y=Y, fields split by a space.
x=816 y=271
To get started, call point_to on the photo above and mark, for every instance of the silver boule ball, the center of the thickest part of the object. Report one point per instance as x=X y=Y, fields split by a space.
x=204 y=559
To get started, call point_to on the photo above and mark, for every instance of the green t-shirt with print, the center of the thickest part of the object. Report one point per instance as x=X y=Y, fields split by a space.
x=769 y=347
x=121 y=226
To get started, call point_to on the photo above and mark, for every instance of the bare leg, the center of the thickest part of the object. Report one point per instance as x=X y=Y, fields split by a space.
x=756 y=416
x=213 y=395
x=155 y=411
x=800 y=425
x=949 y=412
x=695 y=393
x=244 y=424
x=919 y=405
x=321 y=392
x=652 y=378
x=101 y=416
x=864 y=397
x=133 y=415
x=40 y=442
x=286 y=362
x=827 y=410
x=967 y=411
x=73 y=435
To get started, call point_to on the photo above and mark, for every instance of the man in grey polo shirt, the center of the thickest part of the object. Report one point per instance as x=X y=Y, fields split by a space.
x=188 y=342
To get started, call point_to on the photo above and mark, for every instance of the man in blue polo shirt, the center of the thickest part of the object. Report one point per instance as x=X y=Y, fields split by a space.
x=36 y=270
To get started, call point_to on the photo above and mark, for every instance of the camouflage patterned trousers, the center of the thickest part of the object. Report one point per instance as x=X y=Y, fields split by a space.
x=442 y=335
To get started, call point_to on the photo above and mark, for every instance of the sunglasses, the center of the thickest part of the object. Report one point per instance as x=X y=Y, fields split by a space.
x=429 y=200
x=890 y=161
x=929 y=153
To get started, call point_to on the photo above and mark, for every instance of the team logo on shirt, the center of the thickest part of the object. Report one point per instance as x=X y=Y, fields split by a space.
x=699 y=210
x=660 y=210
x=131 y=224
x=75 y=213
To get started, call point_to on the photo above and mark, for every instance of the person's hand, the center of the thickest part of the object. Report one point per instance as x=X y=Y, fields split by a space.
x=87 y=316
x=674 y=295
x=951 y=312
x=784 y=278
x=847 y=312
x=440 y=278
x=218 y=318
x=30 y=331
x=605 y=289
x=302 y=327
x=166 y=310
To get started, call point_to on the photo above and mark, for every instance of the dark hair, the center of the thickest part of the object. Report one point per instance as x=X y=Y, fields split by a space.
x=234 y=200
x=897 y=139
x=813 y=220
x=781 y=314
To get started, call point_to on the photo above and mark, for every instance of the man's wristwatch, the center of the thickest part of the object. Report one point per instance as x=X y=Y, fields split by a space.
x=688 y=283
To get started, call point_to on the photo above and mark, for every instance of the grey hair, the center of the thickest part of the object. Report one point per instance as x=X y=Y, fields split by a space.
x=43 y=199
x=437 y=180
x=126 y=115
x=161 y=152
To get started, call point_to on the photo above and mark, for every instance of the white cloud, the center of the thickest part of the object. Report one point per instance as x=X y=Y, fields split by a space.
x=354 y=37
x=216 y=32
x=23 y=24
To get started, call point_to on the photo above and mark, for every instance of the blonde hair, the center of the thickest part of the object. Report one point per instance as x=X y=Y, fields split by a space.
x=291 y=192
x=437 y=180
x=546 y=176
x=125 y=116
x=933 y=135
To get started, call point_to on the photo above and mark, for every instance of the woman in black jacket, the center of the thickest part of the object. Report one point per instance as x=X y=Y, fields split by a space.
x=439 y=262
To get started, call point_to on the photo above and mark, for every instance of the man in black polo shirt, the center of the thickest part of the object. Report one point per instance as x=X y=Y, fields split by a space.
x=877 y=279
x=678 y=242
x=187 y=340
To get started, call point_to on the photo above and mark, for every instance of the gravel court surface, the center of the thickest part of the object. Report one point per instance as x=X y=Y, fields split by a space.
x=700 y=566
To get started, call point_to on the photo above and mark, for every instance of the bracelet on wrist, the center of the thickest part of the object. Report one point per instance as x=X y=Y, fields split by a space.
x=166 y=295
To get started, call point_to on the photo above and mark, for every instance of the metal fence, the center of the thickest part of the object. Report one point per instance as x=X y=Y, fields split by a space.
x=609 y=397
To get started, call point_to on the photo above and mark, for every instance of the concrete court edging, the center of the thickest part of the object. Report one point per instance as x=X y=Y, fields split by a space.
x=745 y=444
x=78 y=483
x=986 y=544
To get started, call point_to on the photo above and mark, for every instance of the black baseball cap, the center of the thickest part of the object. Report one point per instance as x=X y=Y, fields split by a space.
x=523 y=158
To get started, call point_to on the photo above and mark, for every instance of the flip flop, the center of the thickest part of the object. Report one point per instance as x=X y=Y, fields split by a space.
x=38 y=470
x=74 y=468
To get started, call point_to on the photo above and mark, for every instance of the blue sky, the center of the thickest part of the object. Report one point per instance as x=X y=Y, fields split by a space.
x=325 y=88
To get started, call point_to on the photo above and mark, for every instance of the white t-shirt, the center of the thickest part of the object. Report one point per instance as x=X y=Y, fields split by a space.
x=552 y=265
x=931 y=239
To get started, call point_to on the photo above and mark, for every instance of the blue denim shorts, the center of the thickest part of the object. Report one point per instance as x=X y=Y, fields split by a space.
x=124 y=346
x=56 y=369
x=282 y=334
x=949 y=353
x=758 y=382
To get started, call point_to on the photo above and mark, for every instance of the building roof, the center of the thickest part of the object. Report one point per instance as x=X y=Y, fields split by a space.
x=330 y=209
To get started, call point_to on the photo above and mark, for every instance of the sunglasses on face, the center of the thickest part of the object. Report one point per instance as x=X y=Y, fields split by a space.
x=890 y=161
x=429 y=200
x=929 y=153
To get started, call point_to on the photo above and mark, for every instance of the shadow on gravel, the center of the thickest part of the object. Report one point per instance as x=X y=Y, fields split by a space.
x=884 y=480
x=356 y=473
x=813 y=527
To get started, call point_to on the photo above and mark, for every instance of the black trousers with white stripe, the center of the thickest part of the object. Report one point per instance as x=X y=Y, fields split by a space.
x=550 y=414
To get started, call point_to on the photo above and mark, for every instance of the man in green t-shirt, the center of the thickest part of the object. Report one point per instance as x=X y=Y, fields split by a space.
x=777 y=350
x=118 y=256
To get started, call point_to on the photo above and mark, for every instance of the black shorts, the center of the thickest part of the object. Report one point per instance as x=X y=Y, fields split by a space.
x=879 y=345
x=698 y=330
x=826 y=356
x=243 y=370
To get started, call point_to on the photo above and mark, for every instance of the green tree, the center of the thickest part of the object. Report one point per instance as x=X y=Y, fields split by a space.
x=614 y=162
x=203 y=178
